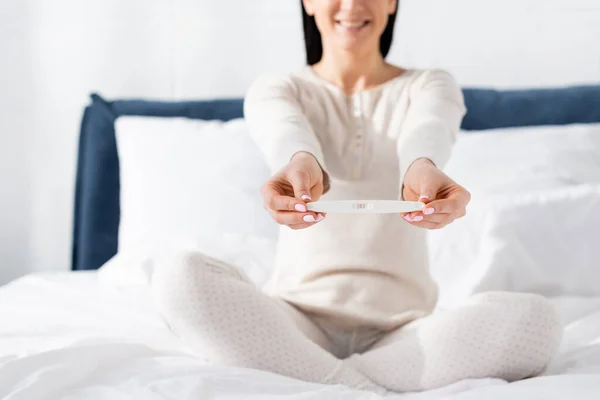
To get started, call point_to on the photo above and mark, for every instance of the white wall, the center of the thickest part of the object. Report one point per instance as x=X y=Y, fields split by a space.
x=15 y=135
x=116 y=47
x=508 y=43
x=55 y=52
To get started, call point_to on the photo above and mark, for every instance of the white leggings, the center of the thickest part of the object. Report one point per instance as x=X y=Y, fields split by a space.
x=224 y=317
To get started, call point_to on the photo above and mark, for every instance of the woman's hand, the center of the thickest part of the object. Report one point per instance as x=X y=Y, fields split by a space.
x=285 y=195
x=445 y=199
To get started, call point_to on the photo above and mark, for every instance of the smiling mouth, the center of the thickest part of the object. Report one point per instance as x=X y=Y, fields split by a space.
x=352 y=25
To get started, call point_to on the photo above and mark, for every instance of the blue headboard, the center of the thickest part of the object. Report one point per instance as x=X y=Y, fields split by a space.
x=97 y=211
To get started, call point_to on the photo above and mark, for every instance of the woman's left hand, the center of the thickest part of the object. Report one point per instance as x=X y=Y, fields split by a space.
x=445 y=199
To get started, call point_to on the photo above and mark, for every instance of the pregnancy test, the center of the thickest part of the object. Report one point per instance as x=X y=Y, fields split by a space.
x=365 y=206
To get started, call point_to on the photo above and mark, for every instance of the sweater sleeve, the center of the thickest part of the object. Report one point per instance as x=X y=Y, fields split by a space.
x=433 y=119
x=277 y=123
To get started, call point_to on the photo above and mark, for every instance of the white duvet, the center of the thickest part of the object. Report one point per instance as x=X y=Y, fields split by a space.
x=71 y=336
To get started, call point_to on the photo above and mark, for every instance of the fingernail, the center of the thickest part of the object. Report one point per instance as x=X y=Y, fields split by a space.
x=407 y=217
x=424 y=197
x=300 y=207
x=320 y=217
x=309 y=218
x=418 y=218
x=306 y=197
x=428 y=211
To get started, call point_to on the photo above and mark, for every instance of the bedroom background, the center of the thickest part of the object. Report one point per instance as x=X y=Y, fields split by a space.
x=55 y=53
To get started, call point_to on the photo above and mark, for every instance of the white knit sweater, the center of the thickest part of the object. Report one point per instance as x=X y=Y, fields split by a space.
x=357 y=269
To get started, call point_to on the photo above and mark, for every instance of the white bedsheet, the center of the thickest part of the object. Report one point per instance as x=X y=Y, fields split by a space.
x=68 y=336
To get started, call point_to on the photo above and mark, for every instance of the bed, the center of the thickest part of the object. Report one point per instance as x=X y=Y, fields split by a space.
x=93 y=333
x=67 y=336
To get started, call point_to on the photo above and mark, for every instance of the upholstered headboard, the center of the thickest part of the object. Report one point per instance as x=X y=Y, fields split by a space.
x=97 y=210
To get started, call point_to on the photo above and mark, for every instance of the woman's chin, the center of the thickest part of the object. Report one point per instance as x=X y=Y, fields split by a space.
x=354 y=46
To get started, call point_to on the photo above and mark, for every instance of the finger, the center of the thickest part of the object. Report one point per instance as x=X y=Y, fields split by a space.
x=454 y=202
x=295 y=218
x=427 y=214
x=277 y=202
x=427 y=225
x=302 y=226
x=300 y=181
x=315 y=193
x=427 y=191
x=451 y=205
x=318 y=217
x=424 y=198
x=299 y=226
x=435 y=218
x=461 y=213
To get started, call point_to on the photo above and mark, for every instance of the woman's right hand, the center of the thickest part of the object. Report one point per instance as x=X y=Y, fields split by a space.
x=285 y=195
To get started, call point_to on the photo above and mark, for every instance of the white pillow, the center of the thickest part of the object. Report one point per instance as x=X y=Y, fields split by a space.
x=532 y=224
x=184 y=179
x=528 y=159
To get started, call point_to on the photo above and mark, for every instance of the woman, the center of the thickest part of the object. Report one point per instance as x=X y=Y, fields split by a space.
x=351 y=301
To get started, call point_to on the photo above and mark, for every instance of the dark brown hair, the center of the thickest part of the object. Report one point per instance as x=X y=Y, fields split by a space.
x=314 y=43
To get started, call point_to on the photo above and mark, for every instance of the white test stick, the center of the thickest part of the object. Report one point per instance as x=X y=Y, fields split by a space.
x=365 y=206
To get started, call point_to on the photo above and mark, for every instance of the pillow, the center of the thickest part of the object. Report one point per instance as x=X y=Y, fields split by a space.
x=527 y=159
x=182 y=179
x=532 y=224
